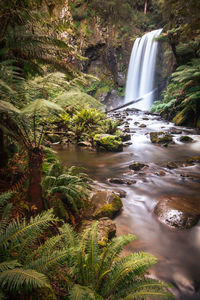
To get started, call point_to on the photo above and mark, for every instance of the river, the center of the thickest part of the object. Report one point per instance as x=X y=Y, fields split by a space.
x=177 y=250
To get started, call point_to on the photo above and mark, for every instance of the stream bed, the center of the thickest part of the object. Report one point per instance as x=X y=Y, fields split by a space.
x=177 y=250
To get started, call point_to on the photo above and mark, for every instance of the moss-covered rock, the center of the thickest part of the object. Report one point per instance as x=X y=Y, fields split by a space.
x=107 y=142
x=110 y=208
x=172 y=165
x=186 y=139
x=161 y=137
x=194 y=159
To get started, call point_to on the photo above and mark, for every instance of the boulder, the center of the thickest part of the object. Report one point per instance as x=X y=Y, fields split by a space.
x=109 y=207
x=161 y=137
x=108 y=142
x=178 y=211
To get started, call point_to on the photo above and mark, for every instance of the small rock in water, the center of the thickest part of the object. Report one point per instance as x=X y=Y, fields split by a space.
x=145 y=118
x=136 y=166
x=194 y=159
x=143 y=125
x=172 y=165
x=175 y=131
x=117 y=180
x=160 y=173
x=186 y=139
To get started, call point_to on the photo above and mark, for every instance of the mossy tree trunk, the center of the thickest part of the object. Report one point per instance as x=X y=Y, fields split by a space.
x=35 y=156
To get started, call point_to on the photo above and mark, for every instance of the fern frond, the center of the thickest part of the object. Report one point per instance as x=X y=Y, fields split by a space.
x=7 y=265
x=79 y=292
x=18 y=279
x=17 y=230
x=4 y=197
x=47 y=261
x=69 y=235
x=128 y=267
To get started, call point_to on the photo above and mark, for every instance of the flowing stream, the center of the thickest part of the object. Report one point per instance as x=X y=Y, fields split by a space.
x=178 y=251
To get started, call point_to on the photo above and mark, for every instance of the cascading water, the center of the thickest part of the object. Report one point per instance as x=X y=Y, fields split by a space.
x=140 y=80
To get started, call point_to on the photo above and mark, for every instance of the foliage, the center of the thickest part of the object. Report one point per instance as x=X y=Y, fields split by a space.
x=85 y=123
x=181 y=101
x=16 y=238
x=31 y=35
x=100 y=273
x=68 y=185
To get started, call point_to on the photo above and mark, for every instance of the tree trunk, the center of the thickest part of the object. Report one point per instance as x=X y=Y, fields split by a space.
x=145 y=7
x=35 y=179
x=3 y=152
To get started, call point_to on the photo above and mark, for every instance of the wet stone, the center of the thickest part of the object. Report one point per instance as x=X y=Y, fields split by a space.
x=136 y=166
x=175 y=131
x=161 y=137
x=174 y=217
x=186 y=139
x=172 y=165
x=143 y=125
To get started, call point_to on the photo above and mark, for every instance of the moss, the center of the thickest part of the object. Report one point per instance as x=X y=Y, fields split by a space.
x=111 y=209
x=107 y=142
x=186 y=139
x=160 y=137
x=194 y=159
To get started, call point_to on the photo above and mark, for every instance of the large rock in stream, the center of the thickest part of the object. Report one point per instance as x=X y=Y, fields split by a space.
x=108 y=204
x=108 y=142
x=161 y=137
x=178 y=211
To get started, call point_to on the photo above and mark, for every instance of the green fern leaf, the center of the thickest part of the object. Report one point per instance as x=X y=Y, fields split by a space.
x=18 y=279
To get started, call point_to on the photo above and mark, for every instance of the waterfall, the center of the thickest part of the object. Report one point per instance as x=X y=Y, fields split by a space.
x=141 y=71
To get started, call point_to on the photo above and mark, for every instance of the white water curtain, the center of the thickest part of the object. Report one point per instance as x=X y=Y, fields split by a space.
x=141 y=71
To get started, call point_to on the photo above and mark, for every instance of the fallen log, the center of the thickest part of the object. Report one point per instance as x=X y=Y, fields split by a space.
x=124 y=105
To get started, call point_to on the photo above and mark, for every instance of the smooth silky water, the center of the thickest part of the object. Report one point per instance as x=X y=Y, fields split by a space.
x=178 y=251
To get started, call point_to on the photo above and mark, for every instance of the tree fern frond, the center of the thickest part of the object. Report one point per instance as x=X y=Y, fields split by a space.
x=41 y=106
x=18 y=279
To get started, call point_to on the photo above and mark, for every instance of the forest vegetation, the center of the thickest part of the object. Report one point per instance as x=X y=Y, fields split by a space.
x=48 y=92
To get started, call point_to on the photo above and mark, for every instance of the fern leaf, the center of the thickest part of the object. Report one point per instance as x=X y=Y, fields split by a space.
x=79 y=292
x=18 y=279
x=69 y=235
x=17 y=230
x=7 y=265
